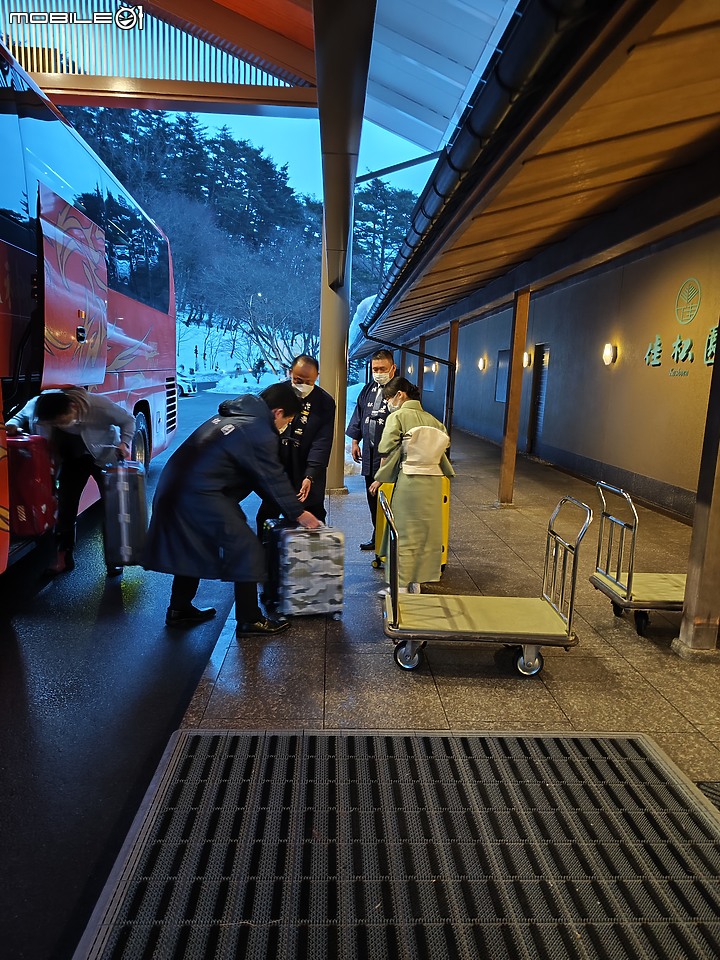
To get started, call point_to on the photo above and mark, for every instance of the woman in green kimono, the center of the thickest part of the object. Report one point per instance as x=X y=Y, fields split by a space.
x=413 y=446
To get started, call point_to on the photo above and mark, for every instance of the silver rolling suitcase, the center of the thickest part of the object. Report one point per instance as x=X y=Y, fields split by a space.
x=305 y=569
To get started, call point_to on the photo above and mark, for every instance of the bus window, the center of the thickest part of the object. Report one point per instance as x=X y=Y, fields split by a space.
x=55 y=158
x=138 y=261
x=13 y=192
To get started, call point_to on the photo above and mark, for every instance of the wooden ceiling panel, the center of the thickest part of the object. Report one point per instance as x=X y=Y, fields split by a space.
x=290 y=18
x=655 y=114
x=663 y=65
x=636 y=114
x=690 y=15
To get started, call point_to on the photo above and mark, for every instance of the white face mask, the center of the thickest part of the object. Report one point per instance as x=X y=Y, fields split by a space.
x=303 y=389
x=381 y=378
x=392 y=407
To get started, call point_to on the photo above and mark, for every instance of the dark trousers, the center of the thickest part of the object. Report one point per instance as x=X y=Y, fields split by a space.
x=72 y=478
x=372 y=500
x=246 y=605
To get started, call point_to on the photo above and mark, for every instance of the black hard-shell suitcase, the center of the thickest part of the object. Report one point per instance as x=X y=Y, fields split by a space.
x=126 y=516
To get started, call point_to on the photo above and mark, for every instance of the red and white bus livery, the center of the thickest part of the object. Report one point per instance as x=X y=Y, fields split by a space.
x=86 y=285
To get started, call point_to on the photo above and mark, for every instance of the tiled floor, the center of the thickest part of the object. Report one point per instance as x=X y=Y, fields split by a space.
x=325 y=674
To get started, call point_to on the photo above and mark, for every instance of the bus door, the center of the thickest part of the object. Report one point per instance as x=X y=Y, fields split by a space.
x=75 y=294
x=4 y=494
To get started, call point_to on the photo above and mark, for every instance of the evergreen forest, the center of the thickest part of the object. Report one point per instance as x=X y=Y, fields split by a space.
x=246 y=248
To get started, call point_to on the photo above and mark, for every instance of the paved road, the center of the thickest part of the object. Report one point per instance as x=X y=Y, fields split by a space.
x=92 y=684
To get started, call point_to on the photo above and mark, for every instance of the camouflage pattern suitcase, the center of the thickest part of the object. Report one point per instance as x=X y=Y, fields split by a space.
x=305 y=569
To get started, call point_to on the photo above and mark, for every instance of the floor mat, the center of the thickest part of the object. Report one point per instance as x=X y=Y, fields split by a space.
x=326 y=845
x=711 y=789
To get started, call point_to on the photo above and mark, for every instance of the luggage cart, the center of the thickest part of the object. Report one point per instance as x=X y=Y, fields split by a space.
x=615 y=574
x=526 y=622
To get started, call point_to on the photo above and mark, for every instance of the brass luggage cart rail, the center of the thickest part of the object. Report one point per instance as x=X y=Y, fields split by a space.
x=528 y=622
x=615 y=574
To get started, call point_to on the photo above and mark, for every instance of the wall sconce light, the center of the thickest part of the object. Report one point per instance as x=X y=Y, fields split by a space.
x=482 y=363
x=527 y=359
x=434 y=368
x=410 y=369
x=609 y=354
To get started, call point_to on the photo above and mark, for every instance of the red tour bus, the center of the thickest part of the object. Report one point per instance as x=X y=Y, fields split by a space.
x=86 y=285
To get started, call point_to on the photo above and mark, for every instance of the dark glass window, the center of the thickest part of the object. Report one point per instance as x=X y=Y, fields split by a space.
x=137 y=255
x=138 y=259
x=14 y=214
x=54 y=157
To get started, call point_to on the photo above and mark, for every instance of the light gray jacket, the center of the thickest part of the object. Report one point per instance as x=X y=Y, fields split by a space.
x=102 y=424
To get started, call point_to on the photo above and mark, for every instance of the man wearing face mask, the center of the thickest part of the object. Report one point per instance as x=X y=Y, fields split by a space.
x=366 y=427
x=306 y=442
x=85 y=431
x=198 y=528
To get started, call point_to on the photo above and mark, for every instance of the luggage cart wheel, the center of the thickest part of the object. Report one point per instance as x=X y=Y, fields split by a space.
x=617 y=609
x=528 y=668
x=377 y=563
x=406 y=657
x=642 y=619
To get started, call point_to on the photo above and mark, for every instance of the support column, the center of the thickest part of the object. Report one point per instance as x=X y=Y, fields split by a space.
x=421 y=365
x=450 y=384
x=701 y=612
x=521 y=313
x=334 y=326
x=343 y=39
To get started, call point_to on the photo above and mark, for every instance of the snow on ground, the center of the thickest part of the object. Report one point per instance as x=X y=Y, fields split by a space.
x=245 y=382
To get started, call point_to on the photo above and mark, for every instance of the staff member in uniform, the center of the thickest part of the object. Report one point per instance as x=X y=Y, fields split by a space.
x=306 y=442
x=366 y=427
x=198 y=529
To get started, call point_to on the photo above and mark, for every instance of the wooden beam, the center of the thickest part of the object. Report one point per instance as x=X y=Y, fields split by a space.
x=451 y=370
x=514 y=395
x=87 y=91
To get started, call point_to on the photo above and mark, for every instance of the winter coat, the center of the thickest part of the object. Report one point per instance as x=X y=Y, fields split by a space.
x=101 y=425
x=417 y=495
x=360 y=426
x=198 y=528
x=306 y=444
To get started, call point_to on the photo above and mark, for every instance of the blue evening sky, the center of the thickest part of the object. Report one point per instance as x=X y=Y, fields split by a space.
x=296 y=142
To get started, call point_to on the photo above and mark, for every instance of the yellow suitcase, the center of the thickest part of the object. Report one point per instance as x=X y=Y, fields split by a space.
x=387 y=489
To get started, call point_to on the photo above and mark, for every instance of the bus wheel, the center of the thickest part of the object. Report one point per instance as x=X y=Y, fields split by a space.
x=141 y=442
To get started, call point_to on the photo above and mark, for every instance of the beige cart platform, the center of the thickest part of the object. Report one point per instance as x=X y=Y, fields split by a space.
x=526 y=622
x=615 y=574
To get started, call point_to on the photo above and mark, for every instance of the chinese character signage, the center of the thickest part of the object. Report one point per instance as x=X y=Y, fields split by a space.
x=680 y=351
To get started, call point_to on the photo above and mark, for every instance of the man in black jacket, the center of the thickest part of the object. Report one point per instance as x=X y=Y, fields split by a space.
x=198 y=529
x=306 y=443
x=366 y=427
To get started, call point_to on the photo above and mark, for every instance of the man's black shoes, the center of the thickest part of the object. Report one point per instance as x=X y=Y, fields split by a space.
x=113 y=571
x=370 y=545
x=188 y=617
x=262 y=627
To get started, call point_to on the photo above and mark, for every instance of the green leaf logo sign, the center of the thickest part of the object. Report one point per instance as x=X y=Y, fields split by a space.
x=687 y=302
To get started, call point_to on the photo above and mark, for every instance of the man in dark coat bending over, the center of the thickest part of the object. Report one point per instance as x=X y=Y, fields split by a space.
x=198 y=529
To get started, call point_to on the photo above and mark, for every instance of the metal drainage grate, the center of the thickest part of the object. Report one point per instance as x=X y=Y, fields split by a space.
x=354 y=846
